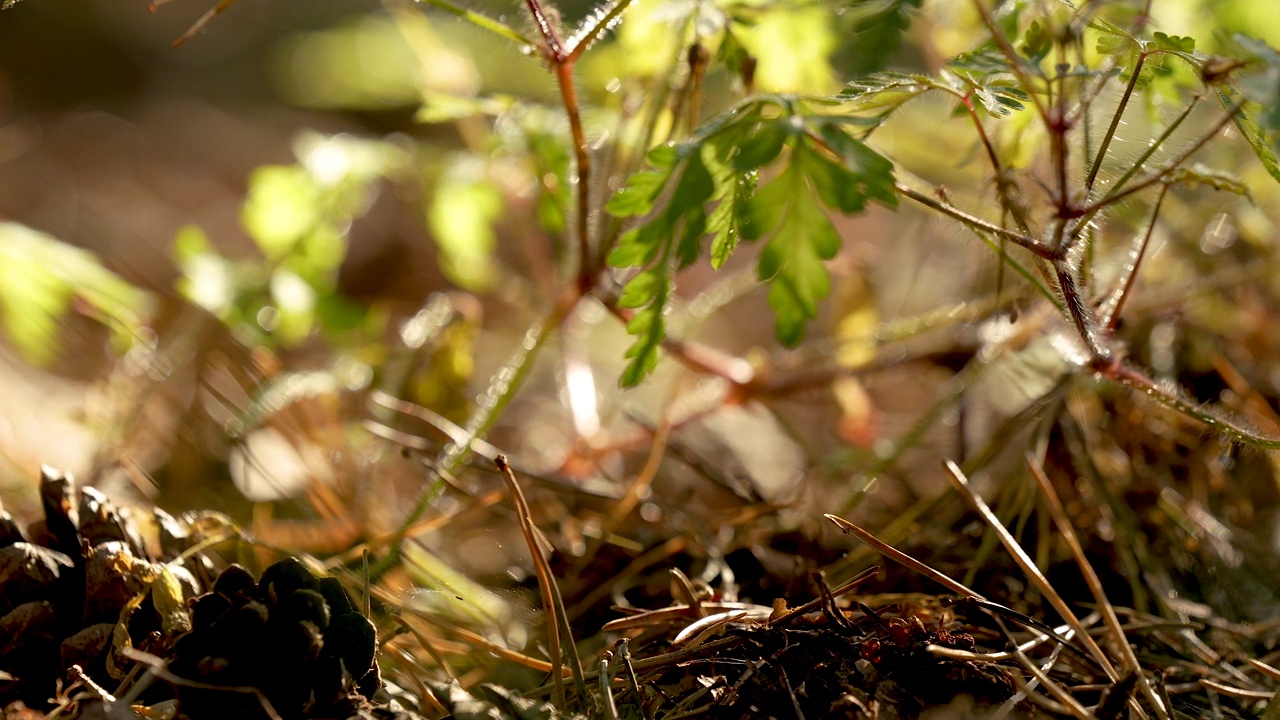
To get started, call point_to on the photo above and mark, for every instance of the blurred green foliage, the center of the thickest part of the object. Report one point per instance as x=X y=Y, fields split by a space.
x=42 y=279
x=299 y=216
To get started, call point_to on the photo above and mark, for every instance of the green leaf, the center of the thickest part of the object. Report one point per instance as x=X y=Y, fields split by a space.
x=643 y=288
x=649 y=328
x=732 y=166
x=1112 y=39
x=715 y=175
x=638 y=246
x=870 y=173
x=678 y=231
x=1036 y=43
x=1261 y=141
x=1174 y=42
x=639 y=194
x=878 y=31
x=801 y=237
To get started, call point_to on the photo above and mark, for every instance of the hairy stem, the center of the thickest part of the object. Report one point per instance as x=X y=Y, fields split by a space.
x=1115 y=123
x=482 y=21
x=1079 y=309
x=593 y=27
x=1111 y=314
x=955 y=213
x=1169 y=167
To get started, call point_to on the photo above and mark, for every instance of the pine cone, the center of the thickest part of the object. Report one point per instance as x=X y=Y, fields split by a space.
x=291 y=638
x=63 y=586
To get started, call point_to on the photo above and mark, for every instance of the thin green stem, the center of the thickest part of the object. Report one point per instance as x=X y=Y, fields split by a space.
x=1168 y=395
x=1152 y=147
x=1115 y=123
x=482 y=21
x=955 y=213
x=1159 y=175
x=502 y=387
x=593 y=27
x=1111 y=314
x=1087 y=213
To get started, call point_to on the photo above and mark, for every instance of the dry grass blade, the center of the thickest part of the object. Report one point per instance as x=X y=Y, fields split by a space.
x=1236 y=692
x=430 y=647
x=702 y=629
x=1265 y=669
x=902 y=558
x=675 y=615
x=557 y=618
x=1061 y=630
x=961 y=483
x=1069 y=703
x=1109 y=618
x=198 y=25
x=468 y=636
x=836 y=592
x=610 y=708
x=682 y=589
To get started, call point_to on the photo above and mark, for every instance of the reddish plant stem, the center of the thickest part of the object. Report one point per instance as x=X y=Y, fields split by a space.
x=587 y=269
x=1080 y=310
x=555 y=47
x=1109 y=323
x=955 y=213
x=1003 y=183
x=563 y=61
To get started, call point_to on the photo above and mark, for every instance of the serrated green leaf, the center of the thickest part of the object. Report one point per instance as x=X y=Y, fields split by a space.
x=1036 y=43
x=870 y=173
x=1260 y=141
x=639 y=194
x=878 y=31
x=641 y=289
x=759 y=147
x=637 y=247
x=726 y=220
x=1174 y=42
x=689 y=246
x=792 y=261
x=714 y=176
x=663 y=156
x=1113 y=44
x=695 y=188
x=649 y=326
